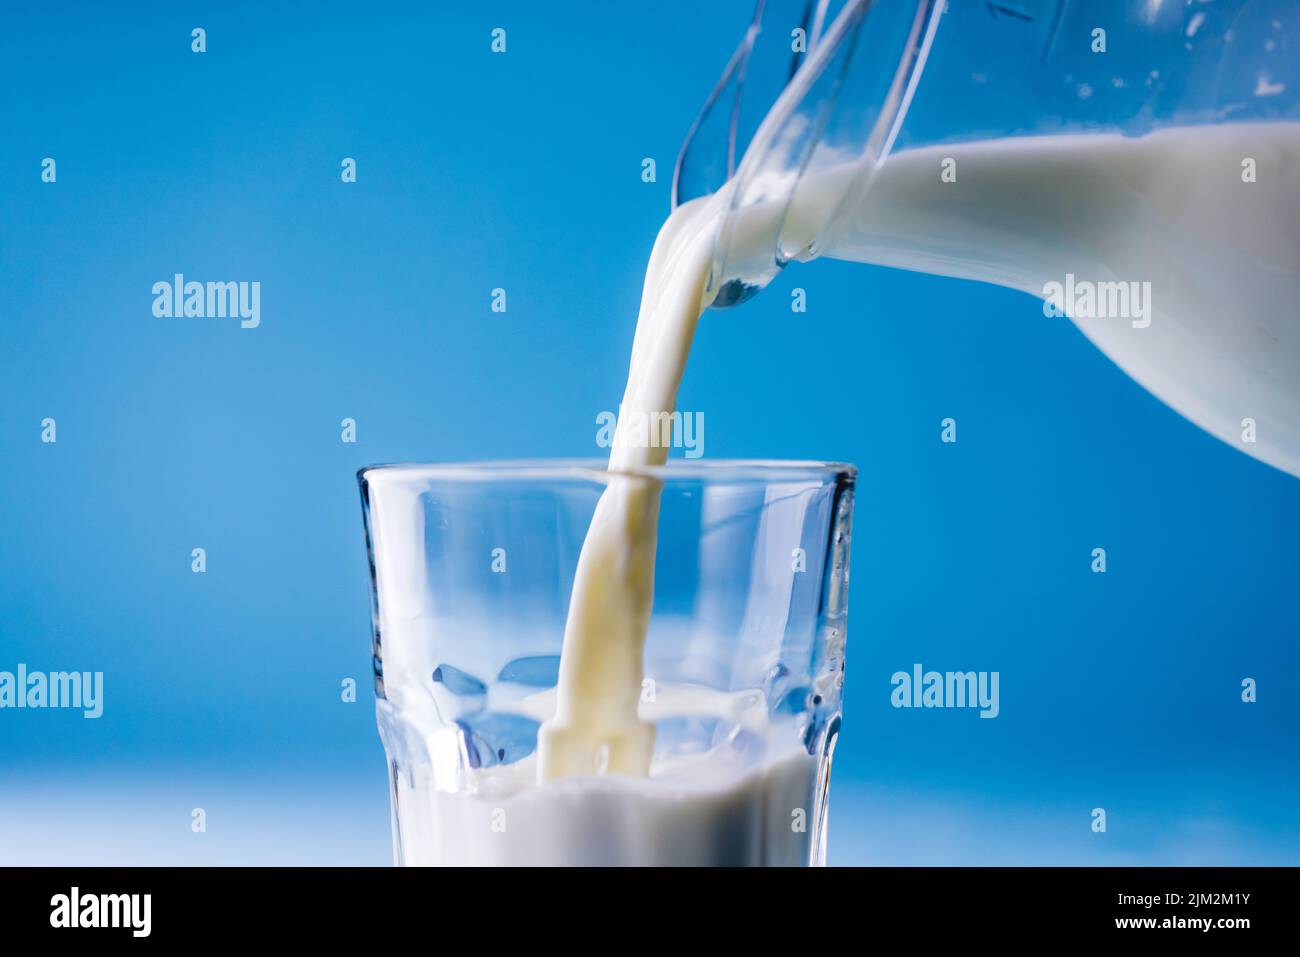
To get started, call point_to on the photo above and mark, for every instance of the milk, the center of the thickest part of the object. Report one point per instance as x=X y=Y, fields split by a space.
x=596 y=728
x=1169 y=211
x=1222 y=256
x=1220 y=343
x=594 y=794
x=750 y=803
x=672 y=819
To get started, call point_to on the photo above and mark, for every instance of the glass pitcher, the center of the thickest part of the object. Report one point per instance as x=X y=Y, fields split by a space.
x=1135 y=164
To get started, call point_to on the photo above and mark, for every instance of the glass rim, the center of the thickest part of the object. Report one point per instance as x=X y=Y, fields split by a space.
x=597 y=470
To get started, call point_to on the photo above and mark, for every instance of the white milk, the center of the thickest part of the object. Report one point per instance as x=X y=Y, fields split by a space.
x=1222 y=344
x=596 y=728
x=592 y=795
x=1222 y=256
x=690 y=818
x=692 y=810
x=1216 y=337
x=727 y=806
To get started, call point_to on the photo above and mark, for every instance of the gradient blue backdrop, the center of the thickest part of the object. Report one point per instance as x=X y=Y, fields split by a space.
x=523 y=171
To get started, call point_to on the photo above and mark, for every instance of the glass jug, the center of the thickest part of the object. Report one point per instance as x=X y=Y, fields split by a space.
x=1135 y=164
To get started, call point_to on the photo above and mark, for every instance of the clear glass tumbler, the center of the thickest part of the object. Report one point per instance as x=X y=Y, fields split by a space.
x=471 y=572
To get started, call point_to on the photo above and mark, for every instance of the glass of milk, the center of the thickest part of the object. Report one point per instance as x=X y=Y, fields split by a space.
x=739 y=685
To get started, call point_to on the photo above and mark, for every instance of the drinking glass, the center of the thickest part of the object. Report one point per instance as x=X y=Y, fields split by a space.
x=471 y=572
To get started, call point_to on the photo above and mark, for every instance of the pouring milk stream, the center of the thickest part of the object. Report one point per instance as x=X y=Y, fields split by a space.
x=1183 y=272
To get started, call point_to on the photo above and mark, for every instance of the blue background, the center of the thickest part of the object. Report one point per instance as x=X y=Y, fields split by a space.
x=523 y=171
